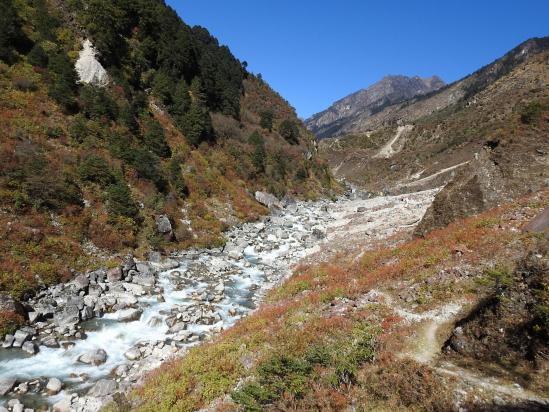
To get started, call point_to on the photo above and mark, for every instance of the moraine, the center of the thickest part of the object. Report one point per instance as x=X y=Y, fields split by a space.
x=149 y=312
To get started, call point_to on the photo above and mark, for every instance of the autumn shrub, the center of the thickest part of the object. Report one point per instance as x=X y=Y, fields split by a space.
x=10 y=322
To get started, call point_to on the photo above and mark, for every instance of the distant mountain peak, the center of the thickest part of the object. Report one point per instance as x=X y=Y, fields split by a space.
x=390 y=89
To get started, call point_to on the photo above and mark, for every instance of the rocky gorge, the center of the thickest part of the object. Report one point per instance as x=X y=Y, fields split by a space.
x=98 y=334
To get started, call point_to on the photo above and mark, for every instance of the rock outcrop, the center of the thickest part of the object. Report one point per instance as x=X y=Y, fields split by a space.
x=89 y=69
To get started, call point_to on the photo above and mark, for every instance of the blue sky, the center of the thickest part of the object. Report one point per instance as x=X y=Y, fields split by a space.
x=314 y=52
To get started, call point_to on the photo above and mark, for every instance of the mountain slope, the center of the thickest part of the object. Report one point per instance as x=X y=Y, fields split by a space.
x=334 y=121
x=490 y=130
x=156 y=142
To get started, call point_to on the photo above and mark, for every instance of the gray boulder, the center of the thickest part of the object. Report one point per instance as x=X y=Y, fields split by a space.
x=102 y=388
x=81 y=282
x=54 y=386
x=129 y=315
x=64 y=405
x=68 y=317
x=94 y=357
x=114 y=274
x=269 y=200
x=30 y=348
x=163 y=224
x=8 y=341
x=6 y=385
x=133 y=354
x=20 y=337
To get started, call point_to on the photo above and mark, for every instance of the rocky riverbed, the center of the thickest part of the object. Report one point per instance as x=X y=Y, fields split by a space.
x=98 y=334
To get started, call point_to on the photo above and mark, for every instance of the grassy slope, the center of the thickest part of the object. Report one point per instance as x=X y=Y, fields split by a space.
x=314 y=346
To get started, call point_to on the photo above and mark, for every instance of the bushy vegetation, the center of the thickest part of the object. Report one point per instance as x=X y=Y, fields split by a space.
x=83 y=163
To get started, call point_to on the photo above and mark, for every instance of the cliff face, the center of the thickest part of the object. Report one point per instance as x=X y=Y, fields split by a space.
x=389 y=90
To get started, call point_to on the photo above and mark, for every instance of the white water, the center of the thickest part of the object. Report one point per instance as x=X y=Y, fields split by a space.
x=178 y=287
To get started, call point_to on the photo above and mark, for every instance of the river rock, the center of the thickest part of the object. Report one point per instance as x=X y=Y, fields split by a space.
x=319 y=234
x=102 y=388
x=268 y=200
x=50 y=342
x=33 y=316
x=20 y=336
x=114 y=275
x=6 y=385
x=93 y=357
x=68 y=317
x=64 y=405
x=18 y=407
x=129 y=315
x=54 y=386
x=133 y=354
x=29 y=347
x=8 y=341
x=146 y=279
x=81 y=282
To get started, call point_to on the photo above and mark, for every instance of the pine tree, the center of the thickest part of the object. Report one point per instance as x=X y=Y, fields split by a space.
x=259 y=155
x=181 y=99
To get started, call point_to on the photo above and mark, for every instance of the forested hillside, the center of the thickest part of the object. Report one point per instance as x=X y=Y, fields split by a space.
x=162 y=152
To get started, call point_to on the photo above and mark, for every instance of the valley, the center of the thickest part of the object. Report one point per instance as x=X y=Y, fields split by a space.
x=155 y=311
x=175 y=238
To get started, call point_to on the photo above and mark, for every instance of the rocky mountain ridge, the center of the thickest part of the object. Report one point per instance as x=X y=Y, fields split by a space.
x=366 y=102
x=487 y=132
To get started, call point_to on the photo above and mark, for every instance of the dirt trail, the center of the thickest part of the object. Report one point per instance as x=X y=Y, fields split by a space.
x=425 y=346
x=387 y=150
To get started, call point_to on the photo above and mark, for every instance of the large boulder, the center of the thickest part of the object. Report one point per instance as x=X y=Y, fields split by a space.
x=94 y=357
x=68 y=317
x=500 y=172
x=102 y=388
x=6 y=385
x=163 y=224
x=54 y=386
x=539 y=224
x=269 y=200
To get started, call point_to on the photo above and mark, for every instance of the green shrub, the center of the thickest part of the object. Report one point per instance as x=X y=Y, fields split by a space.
x=96 y=103
x=266 y=120
x=96 y=169
x=120 y=201
x=531 y=113
x=288 y=130
x=283 y=374
x=259 y=154
x=37 y=56
x=155 y=140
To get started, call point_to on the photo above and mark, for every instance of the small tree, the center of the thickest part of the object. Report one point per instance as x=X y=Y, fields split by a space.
x=259 y=154
x=120 y=201
x=181 y=99
x=266 y=121
x=96 y=169
x=155 y=140
x=288 y=130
